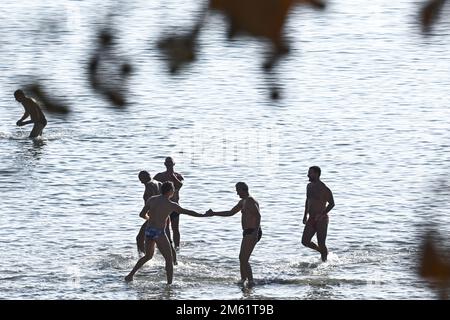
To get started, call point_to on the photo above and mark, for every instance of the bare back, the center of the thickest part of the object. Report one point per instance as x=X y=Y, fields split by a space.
x=318 y=195
x=251 y=216
x=158 y=209
x=152 y=188
x=34 y=110
x=163 y=177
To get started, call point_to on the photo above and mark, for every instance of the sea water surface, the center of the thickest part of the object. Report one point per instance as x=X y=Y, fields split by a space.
x=364 y=95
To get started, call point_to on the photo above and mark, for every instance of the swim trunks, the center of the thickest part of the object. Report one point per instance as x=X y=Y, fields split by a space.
x=153 y=233
x=250 y=231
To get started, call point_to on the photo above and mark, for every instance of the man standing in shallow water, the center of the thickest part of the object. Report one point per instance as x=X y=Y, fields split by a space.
x=156 y=211
x=177 y=180
x=152 y=188
x=33 y=111
x=252 y=233
x=317 y=197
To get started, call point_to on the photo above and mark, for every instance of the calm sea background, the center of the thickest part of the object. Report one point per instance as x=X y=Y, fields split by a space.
x=364 y=95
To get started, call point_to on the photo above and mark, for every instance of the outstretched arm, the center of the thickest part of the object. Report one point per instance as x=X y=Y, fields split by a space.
x=232 y=212
x=179 y=209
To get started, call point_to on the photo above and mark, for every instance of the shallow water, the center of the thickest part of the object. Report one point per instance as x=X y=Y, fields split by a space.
x=365 y=96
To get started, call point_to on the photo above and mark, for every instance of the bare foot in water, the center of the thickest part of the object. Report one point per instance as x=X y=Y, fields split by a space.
x=241 y=282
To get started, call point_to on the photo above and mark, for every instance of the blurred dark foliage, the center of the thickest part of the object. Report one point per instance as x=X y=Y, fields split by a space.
x=257 y=18
x=264 y=19
x=434 y=265
x=430 y=13
x=107 y=73
x=180 y=49
x=47 y=102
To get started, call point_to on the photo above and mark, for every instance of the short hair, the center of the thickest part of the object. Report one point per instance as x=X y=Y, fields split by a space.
x=167 y=187
x=143 y=175
x=18 y=92
x=242 y=185
x=316 y=170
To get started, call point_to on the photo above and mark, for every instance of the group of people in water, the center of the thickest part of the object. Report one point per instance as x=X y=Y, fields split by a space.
x=161 y=210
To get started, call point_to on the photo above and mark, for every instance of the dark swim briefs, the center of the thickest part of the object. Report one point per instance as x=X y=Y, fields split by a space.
x=250 y=231
x=153 y=233
x=318 y=220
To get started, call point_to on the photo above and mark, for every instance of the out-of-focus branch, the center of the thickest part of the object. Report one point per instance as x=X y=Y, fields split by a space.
x=435 y=267
x=48 y=103
x=430 y=12
x=108 y=81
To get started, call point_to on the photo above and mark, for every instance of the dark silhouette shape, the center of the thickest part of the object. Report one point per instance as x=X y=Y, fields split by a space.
x=156 y=210
x=261 y=19
x=105 y=38
x=317 y=197
x=33 y=111
x=275 y=94
x=100 y=79
x=434 y=266
x=179 y=49
x=48 y=103
x=177 y=179
x=430 y=12
x=126 y=69
x=251 y=225
x=152 y=188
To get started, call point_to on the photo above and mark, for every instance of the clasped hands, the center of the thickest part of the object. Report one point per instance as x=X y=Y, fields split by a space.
x=208 y=213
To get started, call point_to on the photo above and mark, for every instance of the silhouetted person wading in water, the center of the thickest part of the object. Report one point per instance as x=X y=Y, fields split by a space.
x=33 y=111
x=317 y=197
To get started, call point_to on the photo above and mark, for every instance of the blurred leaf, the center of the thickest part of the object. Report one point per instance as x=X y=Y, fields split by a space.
x=48 y=103
x=430 y=12
x=260 y=18
x=180 y=49
x=111 y=82
x=435 y=267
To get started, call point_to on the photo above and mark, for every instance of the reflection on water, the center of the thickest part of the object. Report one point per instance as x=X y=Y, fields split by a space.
x=321 y=292
x=38 y=147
